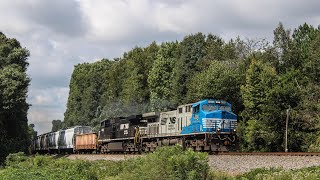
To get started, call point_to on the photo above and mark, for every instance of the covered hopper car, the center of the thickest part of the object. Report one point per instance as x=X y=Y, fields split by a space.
x=59 y=141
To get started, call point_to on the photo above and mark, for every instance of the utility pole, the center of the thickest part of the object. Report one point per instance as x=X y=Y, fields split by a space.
x=287 y=119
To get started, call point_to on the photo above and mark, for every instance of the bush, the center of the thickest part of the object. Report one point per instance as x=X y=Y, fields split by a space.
x=259 y=172
x=216 y=175
x=15 y=159
x=18 y=166
x=165 y=163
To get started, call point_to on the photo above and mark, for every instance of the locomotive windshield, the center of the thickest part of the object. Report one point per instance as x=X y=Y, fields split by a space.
x=226 y=108
x=213 y=107
x=209 y=107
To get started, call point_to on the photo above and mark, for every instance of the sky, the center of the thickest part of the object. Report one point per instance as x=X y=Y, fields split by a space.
x=62 y=33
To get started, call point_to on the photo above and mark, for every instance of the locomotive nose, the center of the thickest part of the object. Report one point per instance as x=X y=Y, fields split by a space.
x=221 y=115
x=225 y=115
x=228 y=115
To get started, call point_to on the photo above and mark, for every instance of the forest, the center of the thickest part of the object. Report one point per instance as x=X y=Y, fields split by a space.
x=261 y=79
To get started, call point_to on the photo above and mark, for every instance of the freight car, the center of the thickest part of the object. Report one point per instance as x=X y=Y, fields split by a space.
x=208 y=125
x=86 y=143
x=59 y=141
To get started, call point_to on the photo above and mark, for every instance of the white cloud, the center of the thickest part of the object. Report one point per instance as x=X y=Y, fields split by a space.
x=49 y=97
x=115 y=20
x=40 y=99
x=47 y=104
x=42 y=118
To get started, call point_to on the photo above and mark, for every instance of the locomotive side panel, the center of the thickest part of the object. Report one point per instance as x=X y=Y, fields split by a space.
x=125 y=130
x=153 y=129
x=184 y=114
x=168 y=123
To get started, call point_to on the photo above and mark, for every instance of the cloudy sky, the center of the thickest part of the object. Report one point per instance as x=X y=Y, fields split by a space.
x=63 y=33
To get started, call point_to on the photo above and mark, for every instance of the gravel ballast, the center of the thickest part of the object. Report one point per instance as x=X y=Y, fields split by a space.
x=241 y=164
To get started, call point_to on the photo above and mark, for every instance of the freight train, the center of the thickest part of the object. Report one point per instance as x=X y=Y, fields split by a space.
x=208 y=125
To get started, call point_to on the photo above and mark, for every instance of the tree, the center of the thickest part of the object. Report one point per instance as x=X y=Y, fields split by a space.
x=86 y=90
x=302 y=38
x=220 y=81
x=32 y=133
x=255 y=94
x=14 y=84
x=311 y=66
x=214 y=48
x=56 y=125
x=11 y=52
x=286 y=50
x=307 y=121
x=192 y=50
x=138 y=64
x=161 y=77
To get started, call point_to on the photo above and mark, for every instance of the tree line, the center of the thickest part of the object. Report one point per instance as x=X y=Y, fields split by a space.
x=261 y=79
x=15 y=134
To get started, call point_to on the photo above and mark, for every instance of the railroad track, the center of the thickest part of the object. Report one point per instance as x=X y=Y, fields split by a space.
x=223 y=153
x=269 y=153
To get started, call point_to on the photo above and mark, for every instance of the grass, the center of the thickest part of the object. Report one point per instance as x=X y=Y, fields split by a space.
x=165 y=163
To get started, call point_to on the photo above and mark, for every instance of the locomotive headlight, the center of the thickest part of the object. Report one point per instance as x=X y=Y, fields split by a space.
x=218 y=129
x=234 y=130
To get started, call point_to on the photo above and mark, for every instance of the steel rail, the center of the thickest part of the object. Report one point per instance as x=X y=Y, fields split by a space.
x=269 y=153
x=215 y=154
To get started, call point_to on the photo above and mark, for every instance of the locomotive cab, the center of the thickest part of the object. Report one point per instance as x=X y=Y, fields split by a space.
x=211 y=116
x=121 y=127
